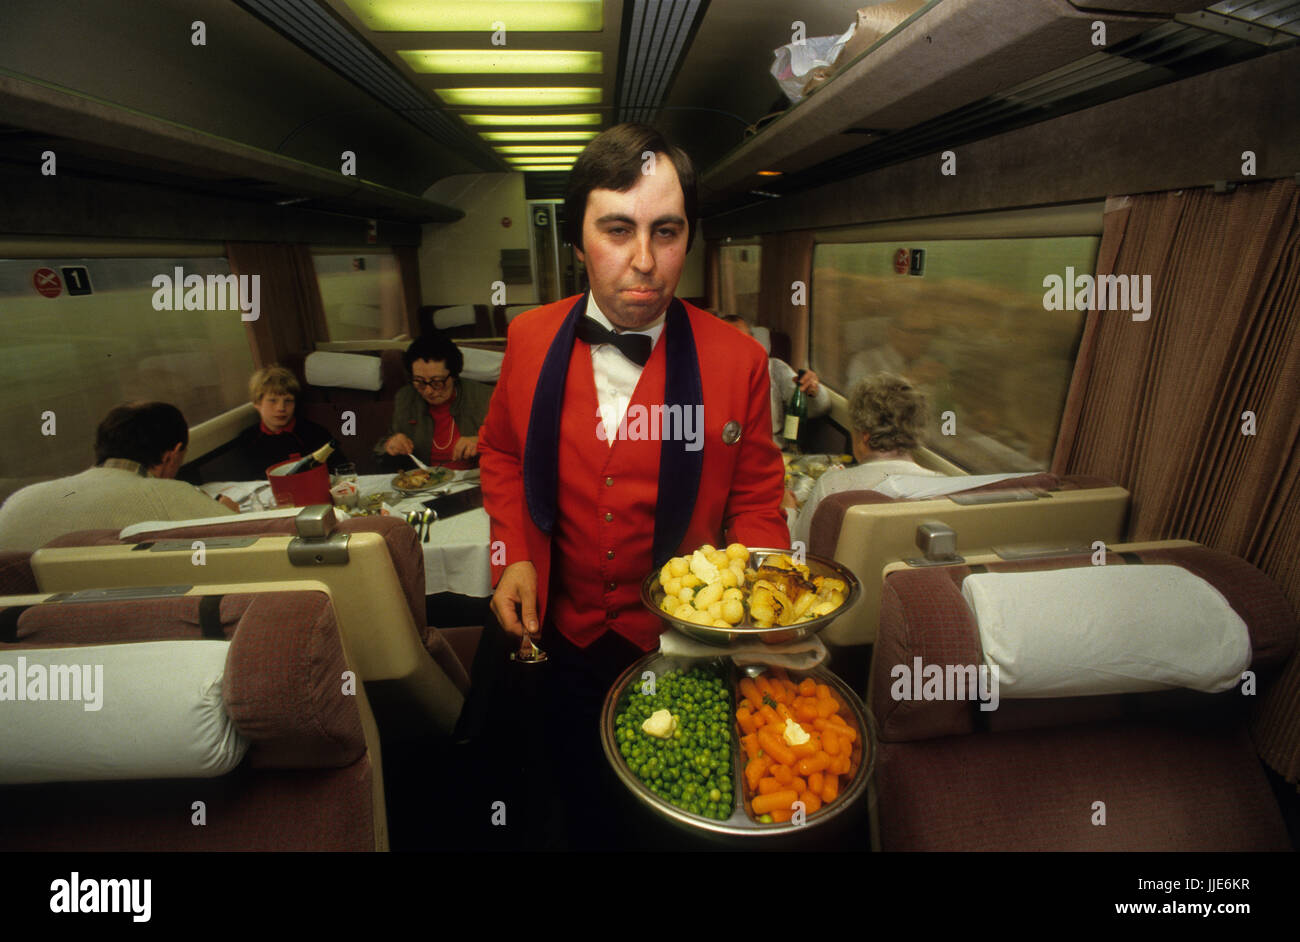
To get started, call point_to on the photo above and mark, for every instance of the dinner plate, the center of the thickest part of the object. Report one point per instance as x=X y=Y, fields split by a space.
x=437 y=477
x=652 y=593
x=740 y=823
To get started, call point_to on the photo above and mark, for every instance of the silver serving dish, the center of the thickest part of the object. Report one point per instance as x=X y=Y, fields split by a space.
x=739 y=824
x=652 y=593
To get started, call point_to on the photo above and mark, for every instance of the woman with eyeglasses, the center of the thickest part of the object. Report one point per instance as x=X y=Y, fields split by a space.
x=438 y=416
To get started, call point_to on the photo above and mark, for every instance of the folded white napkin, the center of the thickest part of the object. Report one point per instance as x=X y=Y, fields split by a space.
x=800 y=655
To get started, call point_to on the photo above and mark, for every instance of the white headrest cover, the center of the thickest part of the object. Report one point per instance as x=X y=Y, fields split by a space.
x=764 y=336
x=483 y=366
x=348 y=370
x=118 y=711
x=1106 y=629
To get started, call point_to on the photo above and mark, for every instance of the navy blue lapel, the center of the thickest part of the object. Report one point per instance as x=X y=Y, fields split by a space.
x=542 y=448
x=679 y=469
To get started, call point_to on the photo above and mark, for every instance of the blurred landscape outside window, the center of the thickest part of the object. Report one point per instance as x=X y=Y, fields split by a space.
x=971 y=331
x=738 y=267
x=78 y=355
x=362 y=295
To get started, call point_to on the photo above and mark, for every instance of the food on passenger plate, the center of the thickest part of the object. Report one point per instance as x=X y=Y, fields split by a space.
x=714 y=587
x=677 y=740
x=412 y=480
x=797 y=745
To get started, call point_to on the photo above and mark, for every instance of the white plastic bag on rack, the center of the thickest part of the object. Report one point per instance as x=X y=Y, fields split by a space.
x=796 y=64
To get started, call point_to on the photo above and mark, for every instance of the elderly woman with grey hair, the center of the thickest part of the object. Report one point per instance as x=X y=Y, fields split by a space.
x=888 y=415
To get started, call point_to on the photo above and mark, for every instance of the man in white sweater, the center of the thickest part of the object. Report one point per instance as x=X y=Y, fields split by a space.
x=139 y=447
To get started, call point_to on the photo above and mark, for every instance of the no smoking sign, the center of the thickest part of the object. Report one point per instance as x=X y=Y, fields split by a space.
x=46 y=281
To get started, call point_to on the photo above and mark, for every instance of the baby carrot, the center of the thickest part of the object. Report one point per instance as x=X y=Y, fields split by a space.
x=768 y=786
x=814 y=763
x=774 y=746
x=830 y=742
x=764 y=804
x=781 y=773
x=815 y=782
x=811 y=801
x=746 y=721
x=782 y=815
x=750 y=744
x=808 y=687
x=830 y=788
x=750 y=692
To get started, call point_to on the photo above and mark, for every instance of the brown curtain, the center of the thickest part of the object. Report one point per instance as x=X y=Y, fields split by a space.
x=408 y=269
x=712 y=286
x=786 y=258
x=293 y=317
x=1158 y=406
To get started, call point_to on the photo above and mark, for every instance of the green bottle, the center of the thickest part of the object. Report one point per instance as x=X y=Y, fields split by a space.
x=796 y=411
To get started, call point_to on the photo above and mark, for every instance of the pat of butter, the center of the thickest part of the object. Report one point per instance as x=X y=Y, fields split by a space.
x=661 y=724
x=794 y=734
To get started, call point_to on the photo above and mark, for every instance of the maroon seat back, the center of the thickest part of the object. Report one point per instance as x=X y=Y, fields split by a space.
x=403 y=547
x=307 y=782
x=1175 y=769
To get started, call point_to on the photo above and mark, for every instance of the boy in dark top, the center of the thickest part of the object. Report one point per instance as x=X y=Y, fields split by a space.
x=279 y=435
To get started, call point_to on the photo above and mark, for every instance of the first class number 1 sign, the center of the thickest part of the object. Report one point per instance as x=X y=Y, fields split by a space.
x=47 y=283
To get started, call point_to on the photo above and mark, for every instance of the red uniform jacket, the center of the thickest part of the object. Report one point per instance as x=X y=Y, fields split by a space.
x=590 y=567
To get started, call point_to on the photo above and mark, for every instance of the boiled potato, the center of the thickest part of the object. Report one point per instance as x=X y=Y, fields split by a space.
x=738 y=551
x=733 y=612
x=678 y=566
x=708 y=595
x=673 y=587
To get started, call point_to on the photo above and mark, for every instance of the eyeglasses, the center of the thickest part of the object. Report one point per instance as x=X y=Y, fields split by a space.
x=438 y=382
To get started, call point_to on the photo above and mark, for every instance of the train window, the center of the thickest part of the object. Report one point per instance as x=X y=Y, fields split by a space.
x=965 y=320
x=738 y=280
x=362 y=294
x=84 y=334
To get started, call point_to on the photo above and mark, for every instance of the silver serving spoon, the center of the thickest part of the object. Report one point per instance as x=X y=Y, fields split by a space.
x=428 y=516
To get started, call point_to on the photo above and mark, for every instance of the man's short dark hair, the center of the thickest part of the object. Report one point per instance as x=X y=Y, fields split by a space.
x=435 y=346
x=613 y=161
x=142 y=432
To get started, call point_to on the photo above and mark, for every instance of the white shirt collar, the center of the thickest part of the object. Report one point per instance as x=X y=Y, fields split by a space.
x=597 y=315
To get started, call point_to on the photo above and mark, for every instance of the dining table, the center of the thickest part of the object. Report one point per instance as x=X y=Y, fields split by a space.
x=458 y=548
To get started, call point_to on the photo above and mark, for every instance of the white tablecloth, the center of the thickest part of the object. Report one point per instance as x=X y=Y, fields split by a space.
x=456 y=558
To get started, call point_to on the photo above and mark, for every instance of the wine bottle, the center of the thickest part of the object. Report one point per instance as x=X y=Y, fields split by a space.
x=795 y=412
x=306 y=463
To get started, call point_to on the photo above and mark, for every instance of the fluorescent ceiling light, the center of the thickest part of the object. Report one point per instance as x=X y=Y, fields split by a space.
x=538 y=168
x=459 y=16
x=539 y=149
x=509 y=62
x=534 y=137
x=509 y=120
x=520 y=97
x=566 y=159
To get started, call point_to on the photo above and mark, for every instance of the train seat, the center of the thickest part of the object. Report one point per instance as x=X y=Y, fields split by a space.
x=373 y=565
x=1166 y=769
x=865 y=530
x=254 y=741
x=373 y=408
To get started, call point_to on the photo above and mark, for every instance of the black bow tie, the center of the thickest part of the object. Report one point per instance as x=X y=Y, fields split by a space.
x=636 y=347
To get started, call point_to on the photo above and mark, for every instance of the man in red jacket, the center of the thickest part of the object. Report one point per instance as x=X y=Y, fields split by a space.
x=627 y=427
x=596 y=468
